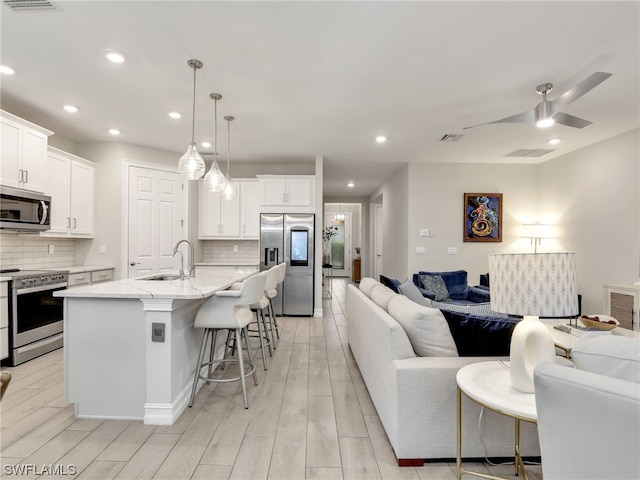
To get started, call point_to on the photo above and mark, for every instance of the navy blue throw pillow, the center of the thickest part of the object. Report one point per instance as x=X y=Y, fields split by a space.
x=392 y=283
x=480 y=335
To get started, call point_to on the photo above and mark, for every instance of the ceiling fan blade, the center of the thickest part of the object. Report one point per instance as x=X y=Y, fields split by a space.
x=570 y=120
x=577 y=91
x=524 y=117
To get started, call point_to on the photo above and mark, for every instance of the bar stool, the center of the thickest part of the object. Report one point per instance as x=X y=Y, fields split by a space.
x=228 y=310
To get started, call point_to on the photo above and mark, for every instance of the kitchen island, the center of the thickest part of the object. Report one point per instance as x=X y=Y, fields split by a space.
x=130 y=347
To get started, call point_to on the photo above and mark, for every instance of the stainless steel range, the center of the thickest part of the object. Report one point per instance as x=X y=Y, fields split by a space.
x=35 y=315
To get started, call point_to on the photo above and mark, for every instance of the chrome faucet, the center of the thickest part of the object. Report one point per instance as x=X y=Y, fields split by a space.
x=175 y=250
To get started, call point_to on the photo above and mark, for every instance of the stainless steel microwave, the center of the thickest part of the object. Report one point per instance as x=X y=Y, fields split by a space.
x=24 y=210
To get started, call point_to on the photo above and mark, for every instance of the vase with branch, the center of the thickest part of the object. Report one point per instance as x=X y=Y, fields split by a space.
x=327 y=234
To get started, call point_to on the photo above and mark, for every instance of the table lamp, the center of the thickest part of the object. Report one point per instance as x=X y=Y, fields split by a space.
x=532 y=285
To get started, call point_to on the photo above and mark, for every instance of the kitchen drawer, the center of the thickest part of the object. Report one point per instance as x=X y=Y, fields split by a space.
x=4 y=343
x=76 y=279
x=101 y=276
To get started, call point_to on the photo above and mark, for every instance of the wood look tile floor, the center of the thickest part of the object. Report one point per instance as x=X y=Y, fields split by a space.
x=310 y=417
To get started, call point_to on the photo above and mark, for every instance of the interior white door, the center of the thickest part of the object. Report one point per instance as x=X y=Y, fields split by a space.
x=155 y=224
x=378 y=260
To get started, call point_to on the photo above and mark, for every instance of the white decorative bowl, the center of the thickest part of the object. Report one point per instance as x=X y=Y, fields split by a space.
x=600 y=322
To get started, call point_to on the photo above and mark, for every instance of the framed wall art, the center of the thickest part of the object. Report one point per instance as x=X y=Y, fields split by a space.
x=483 y=217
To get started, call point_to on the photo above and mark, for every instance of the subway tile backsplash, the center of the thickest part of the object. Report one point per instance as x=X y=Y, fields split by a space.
x=31 y=251
x=221 y=252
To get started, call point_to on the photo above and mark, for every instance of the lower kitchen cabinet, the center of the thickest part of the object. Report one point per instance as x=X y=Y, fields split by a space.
x=4 y=320
x=90 y=277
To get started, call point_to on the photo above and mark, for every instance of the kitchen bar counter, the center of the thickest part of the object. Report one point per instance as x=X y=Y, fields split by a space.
x=204 y=284
x=130 y=347
x=80 y=269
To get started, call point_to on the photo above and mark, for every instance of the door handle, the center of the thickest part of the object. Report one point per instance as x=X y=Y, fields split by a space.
x=133 y=264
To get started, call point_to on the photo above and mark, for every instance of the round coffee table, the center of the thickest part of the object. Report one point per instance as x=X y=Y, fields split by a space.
x=489 y=385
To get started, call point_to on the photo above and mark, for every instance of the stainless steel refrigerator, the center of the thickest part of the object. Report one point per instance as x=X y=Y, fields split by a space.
x=289 y=237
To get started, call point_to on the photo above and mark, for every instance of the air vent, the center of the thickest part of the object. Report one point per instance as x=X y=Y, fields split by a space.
x=29 y=5
x=451 y=137
x=529 y=152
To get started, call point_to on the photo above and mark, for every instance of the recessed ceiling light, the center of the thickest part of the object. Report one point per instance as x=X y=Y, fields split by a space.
x=554 y=141
x=175 y=115
x=70 y=108
x=381 y=139
x=205 y=144
x=115 y=56
x=7 y=70
x=114 y=131
x=350 y=184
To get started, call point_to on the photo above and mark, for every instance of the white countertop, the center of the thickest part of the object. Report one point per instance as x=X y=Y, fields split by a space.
x=5 y=279
x=81 y=269
x=203 y=285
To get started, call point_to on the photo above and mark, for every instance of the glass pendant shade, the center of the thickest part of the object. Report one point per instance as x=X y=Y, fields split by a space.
x=229 y=191
x=214 y=180
x=191 y=163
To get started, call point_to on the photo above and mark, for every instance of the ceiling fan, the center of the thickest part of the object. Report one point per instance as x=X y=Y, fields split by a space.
x=546 y=113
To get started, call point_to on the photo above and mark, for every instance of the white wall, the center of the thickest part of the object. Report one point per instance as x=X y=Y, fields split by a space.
x=593 y=196
x=395 y=201
x=437 y=203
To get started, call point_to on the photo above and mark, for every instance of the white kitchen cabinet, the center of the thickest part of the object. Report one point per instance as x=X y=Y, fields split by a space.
x=24 y=153
x=218 y=218
x=98 y=276
x=289 y=193
x=4 y=320
x=90 y=277
x=71 y=184
x=249 y=211
x=230 y=219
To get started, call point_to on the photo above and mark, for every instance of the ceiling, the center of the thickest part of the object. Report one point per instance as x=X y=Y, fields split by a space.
x=325 y=78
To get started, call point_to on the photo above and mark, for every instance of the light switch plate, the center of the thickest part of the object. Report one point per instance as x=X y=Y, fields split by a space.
x=452 y=250
x=424 y=232
x=421 y=250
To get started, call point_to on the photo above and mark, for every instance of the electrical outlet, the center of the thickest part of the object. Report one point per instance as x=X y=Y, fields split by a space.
x=421 y=251
x=103 y=249
x=51 y=249
x=235 y=248
x=452 y=251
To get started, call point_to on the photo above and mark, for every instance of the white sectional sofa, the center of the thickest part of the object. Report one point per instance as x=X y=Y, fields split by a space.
x=415 y=397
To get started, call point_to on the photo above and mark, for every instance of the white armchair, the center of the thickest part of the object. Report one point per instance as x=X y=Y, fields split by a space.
x=589 y=416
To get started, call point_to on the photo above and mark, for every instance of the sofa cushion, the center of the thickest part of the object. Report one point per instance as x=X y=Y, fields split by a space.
x=381 y=296
x=392 y=283
x=480 y=335
x=409 y=290
x=367 y=284
x=435 y=284
x=610 y=355
x=426 y=328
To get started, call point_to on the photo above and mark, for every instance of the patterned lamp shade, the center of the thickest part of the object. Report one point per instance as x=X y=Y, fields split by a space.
x=541 y=284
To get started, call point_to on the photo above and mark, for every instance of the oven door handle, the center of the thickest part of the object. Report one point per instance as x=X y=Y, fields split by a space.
x=40 y=288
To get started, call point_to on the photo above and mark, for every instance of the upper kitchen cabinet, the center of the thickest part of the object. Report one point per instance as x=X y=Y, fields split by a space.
x=229 y=219
x=249 y=213
x=218 y=218
x=71 y=184
x=24 y=153
x=287 y=194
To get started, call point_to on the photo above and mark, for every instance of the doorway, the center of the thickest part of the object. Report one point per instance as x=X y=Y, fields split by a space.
x=345 y=246
x=155 y=209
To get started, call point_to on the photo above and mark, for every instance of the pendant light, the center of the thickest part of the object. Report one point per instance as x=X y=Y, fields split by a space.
x=229 y=191
x=191 y=164
x=214 y=180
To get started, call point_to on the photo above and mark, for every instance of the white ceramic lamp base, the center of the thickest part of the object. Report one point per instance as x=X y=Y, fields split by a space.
x=531 y=344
